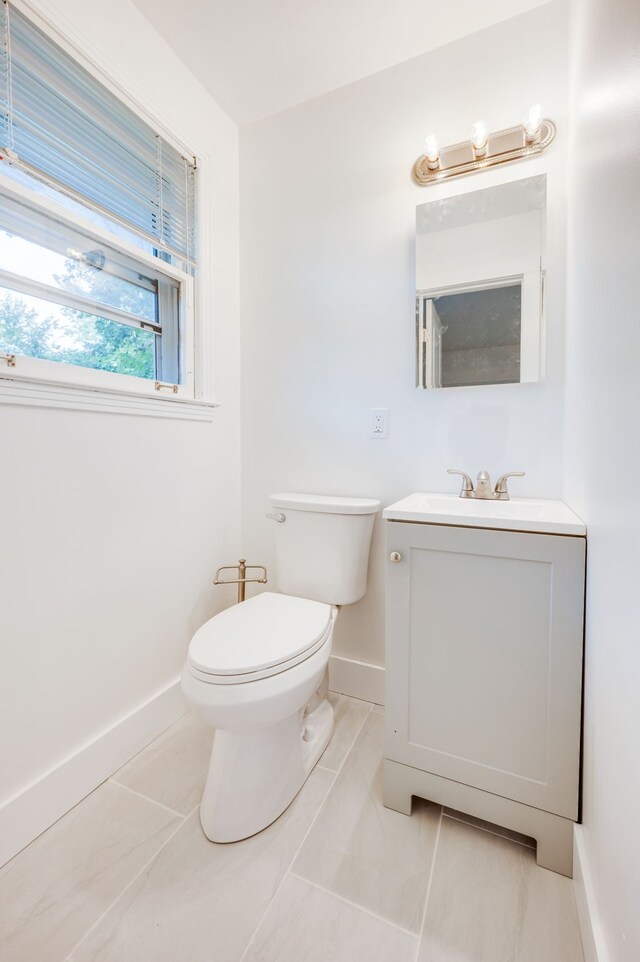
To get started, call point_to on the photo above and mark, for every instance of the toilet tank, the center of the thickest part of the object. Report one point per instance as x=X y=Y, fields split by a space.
x=322 y=546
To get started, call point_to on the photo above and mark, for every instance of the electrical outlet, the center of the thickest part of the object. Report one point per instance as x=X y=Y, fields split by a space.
x=379 y=423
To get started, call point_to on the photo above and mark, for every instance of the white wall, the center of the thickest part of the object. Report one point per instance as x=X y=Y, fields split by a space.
x=328 y=288
x=112 y=525
x=603 y=450
x=502 y=247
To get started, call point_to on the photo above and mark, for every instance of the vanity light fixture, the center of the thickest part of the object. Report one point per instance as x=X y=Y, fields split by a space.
x=479 y=138
x=484 y=149
x=532 y=124
x=432 y=152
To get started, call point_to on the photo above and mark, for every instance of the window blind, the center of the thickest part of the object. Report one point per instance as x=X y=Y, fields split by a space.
x=61 y=123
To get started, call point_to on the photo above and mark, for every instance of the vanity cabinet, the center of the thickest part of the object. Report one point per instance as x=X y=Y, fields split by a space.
x=484 y=640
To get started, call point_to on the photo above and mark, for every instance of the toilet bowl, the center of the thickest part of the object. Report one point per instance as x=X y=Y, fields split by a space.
x=257 y=672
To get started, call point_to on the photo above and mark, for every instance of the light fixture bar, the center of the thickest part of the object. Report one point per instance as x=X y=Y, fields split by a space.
x=501 y=147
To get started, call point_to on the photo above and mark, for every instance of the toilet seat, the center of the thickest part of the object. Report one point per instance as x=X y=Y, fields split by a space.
x=263 y=636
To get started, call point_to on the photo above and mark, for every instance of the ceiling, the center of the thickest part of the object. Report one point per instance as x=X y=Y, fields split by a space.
x=258 y=57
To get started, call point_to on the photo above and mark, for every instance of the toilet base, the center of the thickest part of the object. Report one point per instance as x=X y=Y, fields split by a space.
x=255 y=775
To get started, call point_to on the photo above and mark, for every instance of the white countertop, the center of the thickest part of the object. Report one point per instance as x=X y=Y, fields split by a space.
x=518 y=514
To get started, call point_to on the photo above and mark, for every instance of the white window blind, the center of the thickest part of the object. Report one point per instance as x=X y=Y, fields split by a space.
x=60 y=123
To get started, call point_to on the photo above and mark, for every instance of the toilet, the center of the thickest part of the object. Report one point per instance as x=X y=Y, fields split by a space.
x=257 y=671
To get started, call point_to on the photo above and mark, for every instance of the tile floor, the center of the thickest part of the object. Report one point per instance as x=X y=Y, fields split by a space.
x=128 y=876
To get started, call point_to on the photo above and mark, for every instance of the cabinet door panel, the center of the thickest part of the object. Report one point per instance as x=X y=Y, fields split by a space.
x=484 y=654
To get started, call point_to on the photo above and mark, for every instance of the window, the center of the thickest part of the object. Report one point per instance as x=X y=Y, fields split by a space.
x=473 y=335
x=96 y=229
x=485 y=332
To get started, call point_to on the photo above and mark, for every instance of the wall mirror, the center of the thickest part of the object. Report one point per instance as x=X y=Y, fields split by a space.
x=479 y=286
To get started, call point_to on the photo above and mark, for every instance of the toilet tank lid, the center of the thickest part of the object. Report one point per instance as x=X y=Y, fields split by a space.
x=326 y=503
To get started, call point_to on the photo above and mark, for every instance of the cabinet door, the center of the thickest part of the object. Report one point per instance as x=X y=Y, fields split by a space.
x=484 y=659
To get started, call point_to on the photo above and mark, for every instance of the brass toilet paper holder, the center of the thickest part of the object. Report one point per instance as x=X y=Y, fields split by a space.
x=241 y=581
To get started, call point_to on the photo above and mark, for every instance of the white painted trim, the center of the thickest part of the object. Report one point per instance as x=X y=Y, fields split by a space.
x=356 y=678
x=593 y=943
x=93 y=58
x=71 y=397
x=42 y=371
x=38 y=805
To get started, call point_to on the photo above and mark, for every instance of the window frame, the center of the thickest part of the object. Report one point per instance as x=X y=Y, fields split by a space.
x=532 y=324
x=55 y=373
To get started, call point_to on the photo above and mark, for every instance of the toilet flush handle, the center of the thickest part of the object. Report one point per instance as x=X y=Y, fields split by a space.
x=279 y=517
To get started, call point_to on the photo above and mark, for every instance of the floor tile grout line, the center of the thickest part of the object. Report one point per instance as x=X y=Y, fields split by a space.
x=287 y=871
x=355 y=738
x=183 y=821
x=180 y=825
x=147 y=798
x=429 y=884
x=354 y=905
x=336 y=771
x=481 y=828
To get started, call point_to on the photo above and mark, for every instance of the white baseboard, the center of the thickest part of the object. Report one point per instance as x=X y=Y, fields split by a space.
x=34 y=808
x=593 y=943
x=356 y=678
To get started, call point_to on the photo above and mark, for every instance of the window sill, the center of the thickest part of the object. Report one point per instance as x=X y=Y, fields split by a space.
x=66 y=396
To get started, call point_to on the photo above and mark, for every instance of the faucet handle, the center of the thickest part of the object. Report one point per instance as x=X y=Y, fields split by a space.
x=466 y=490
x=501 y=491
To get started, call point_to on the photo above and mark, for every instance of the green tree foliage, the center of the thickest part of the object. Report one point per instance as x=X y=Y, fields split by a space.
x=23 y=331
x=112 y=346
x=74 y=337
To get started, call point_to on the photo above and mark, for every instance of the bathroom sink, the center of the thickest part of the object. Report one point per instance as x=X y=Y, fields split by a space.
x=518 y=514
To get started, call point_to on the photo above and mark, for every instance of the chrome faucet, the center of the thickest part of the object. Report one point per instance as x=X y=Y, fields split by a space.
x=483 y=490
